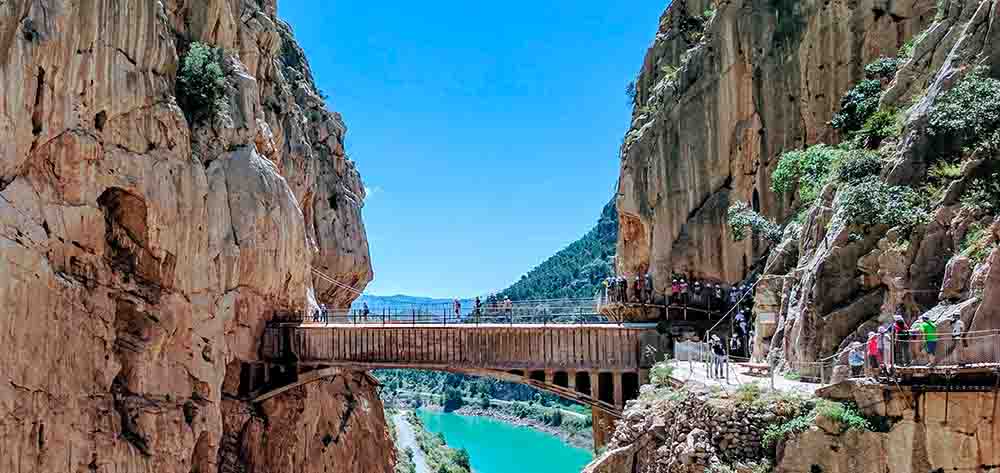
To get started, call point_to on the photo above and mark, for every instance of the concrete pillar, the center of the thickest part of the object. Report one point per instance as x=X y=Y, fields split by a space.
x=619 y=390
x=595 y=386
x=571 y=375
x=643 y=377
x=549 y=377
x=603 y=428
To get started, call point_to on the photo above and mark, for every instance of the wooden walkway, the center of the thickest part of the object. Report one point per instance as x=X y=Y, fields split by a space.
x=602 y=365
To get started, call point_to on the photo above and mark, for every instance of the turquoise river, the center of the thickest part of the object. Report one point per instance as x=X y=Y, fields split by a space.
x=498 y=447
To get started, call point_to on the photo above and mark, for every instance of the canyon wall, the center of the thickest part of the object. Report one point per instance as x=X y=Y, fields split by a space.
x=724 y=89
x=143 y=247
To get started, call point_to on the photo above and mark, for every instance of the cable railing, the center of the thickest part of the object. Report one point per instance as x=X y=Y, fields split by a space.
x=940 y=350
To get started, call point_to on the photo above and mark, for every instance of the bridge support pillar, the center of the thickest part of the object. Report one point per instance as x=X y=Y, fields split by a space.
x=572 y=380
x=643 y=377
x=595 y=388
x=603 y=428
x=550 y=376
x=619 y=390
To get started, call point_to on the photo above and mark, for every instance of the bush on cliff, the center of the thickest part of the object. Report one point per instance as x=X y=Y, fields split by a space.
x=968 y=113
x=846 y=416
x=871 y=201
x=201 y=82
x=857 y=105
x=805 y=170
x=858 y=165
x=743 y=221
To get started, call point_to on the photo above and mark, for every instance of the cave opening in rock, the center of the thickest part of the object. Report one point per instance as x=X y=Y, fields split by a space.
x=126 y=231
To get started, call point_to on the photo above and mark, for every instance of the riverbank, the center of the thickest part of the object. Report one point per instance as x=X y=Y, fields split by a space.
x=572 y=428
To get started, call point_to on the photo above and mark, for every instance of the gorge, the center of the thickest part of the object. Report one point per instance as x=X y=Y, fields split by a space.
x=177 y=207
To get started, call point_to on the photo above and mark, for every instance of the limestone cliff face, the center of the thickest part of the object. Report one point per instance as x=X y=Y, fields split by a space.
x=725 y=88
x=141 y=254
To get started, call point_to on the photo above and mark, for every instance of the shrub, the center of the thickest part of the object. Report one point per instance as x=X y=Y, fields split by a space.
x=872 y=201
x=809 y=169
x=749 y=394
x=792 y=376
x=857 y=105
x=452 y=399
x=883 y=124
x=848 y=418
x=977 y=243
x=944 y=170
x=859 y=165
x=983 y=194
x=969 y=112
x=882 y=68
x=630 y=91
x=201 y=82
x=660 y=374
x=743 y=220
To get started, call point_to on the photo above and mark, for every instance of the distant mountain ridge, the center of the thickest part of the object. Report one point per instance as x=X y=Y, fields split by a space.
x=574 y=271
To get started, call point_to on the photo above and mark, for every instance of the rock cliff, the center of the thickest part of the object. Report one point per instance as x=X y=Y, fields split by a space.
x=887 y=206
x=143 y=247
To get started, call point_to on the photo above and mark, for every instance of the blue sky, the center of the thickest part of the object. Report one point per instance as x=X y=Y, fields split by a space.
x=487 y=133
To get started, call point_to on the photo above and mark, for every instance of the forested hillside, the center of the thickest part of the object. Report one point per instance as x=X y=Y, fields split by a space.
x=575 y=271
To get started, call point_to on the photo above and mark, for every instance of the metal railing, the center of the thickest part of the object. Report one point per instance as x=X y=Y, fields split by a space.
x=971 y=349
x=549 y=311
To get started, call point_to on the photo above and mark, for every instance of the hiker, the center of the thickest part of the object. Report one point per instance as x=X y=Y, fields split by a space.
x=882 y=356
x=873 y=354
x=718 y=357
x=856 y=359
x=717 y=297
x=365 y=311
x=927 y=329
x=508 y=306
x=477 y=309
x=457 y=304
x=684 y=291
x=961 y=343
x=734 y=344
x=734 y=295
x=901 y=340
x=637 y=289
x=620 y=286
x=649 y=287
x=697 y=293
x=675 y=291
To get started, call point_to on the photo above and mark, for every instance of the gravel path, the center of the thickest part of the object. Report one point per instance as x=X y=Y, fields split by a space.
x=406 y=438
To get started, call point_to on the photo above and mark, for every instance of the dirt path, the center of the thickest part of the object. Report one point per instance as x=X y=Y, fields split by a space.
x=405 y=438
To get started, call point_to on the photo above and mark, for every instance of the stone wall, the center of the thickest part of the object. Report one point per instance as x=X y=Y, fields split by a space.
x=688 y=431
x=141 y=254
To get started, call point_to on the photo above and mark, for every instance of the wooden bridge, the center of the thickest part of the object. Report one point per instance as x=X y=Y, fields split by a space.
x=598 y=364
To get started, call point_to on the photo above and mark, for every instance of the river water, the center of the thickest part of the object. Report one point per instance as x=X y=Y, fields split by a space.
x=498 y=447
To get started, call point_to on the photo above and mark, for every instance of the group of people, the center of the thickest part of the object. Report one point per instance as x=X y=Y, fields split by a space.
x=891 y=345
x=618 y=289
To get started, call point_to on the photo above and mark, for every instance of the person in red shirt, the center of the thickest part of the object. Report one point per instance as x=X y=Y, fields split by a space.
x=874 y=356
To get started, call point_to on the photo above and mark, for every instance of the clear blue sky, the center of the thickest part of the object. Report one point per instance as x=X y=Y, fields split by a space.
x=487 y=133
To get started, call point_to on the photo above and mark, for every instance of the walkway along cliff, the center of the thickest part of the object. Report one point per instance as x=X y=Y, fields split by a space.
x=169 y=175
x=844 y=155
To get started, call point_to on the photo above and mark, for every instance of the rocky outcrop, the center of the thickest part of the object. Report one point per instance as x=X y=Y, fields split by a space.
x=725 y=88
x=926 y=432
x=142 y=252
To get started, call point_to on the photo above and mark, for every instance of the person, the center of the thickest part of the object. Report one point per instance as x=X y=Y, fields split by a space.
x=365 y=311
x=675 y=292
x=684 y=291
x=873 y=355
x=718 y=357
x=734 y=295
x=457 y=304
x=927 y=329
x=508 y=306
x=649 y=288
x=717 y=299
x=741 y=322
x=622 y=293
x=734 y=344
x=961 y=343
x=605 y=284
x=477 y=309
x=882 y=357
x=901 y=340
x=638 y=289
x=697 y=292
x=856 y=359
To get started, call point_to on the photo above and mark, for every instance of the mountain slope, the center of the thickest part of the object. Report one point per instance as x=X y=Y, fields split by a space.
x=575 y=271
